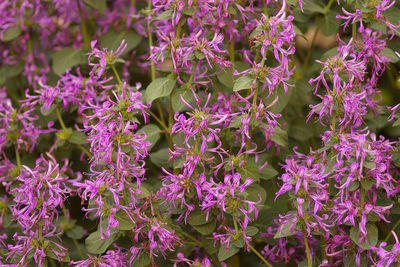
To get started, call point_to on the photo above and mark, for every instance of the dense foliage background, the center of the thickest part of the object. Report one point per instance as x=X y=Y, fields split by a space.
x=199 y=133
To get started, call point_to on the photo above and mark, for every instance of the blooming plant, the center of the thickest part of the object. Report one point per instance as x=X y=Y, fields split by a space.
x=199 y=133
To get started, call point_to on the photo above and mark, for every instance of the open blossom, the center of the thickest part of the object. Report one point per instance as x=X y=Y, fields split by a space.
x=351 y=92
x=37 y=201
x=387 y=257
x=42 y=190
x=36 y=243
x=197 y=262
x=101 y=59
x=17 y=125
x=372 y=10
x=113 y=135
x=70 y=89
x=227 y=196
x=114 y=258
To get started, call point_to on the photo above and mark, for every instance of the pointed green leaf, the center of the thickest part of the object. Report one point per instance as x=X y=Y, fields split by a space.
x=224 y=254
x=95 y=245
x=76 y=232
x=113 y=39
x=67 y=58
x=78 y=138
x=243 y=82
x=206 y=229
x=160 y=87
x=153 y=133
x=11 y=33
x=125 y=223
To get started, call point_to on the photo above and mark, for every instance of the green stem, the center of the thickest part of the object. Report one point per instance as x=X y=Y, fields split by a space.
x=200 y=244
x=116 y=74
x=17 y=157
x=333 y=122
x=255 y=98
x=235 y=224
x=362 y=197
x=393 y=229
x=307 y=248
x=152 y=66
x=323 y=246
x=354 y=31
x=165 y=127
x=192 y=74
x=60 y=119
x=159 y=109
x=167 y=131
x=86 y=41
x=328 y=7
x=259 y=255
x=78 y=248
x=178 y=30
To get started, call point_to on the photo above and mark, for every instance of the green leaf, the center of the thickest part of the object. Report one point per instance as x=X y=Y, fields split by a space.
x=206 y=229
x=396 y=123
x=208 y=244
x=310 y=7
x=177 y=103
x=300 y=130
x=166 y=15
x=285 y=230
x=99 y=5
x=328 y=23
x=224 y=254
x=95 y=245
x=67 y=58
x=254 y=191
x=197 y=217
x=112 y=40
x=160 y=87
x=236 y=122
x=329 y=54
x=251 y=169
x=239 y=242
x=142 y=260
x=283 y=99
x=51 y=254
x=372 y=236
x=396 y=159
x=387 y=52
x=11 y=34
x=280 y=137
x=268 y=173
x=78 y=138
x=226 y=78
x=160 y=157
x=244 y=82
x=76 y=232
x=251 y=230
x=354 y=185
x=153 y=133
x=369 y=165
x=125 y=223
x=10 y=71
